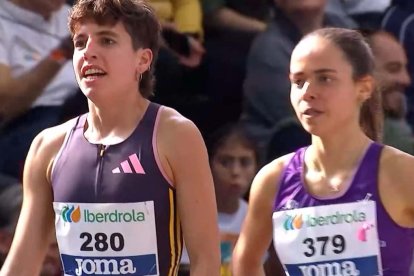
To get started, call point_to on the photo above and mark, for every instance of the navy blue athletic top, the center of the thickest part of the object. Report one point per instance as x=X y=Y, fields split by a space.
x=128 y=172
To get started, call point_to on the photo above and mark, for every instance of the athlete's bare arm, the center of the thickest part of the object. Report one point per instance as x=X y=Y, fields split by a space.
x=396 y=185
x=184 y=156
x=256 y=234
x=35 y=227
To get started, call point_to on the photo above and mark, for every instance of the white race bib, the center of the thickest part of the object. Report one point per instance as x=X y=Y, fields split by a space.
x=331 y=240
x=107 y=238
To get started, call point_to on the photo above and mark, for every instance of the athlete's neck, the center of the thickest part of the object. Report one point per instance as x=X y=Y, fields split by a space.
x=113 y=124
x=329 y=155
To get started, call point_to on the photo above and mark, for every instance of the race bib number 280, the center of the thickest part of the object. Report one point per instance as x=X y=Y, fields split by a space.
x=333 y=240
x=107 y=238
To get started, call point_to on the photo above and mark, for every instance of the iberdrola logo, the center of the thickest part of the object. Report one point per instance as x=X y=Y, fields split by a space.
x=70 y=214
x=293 y=222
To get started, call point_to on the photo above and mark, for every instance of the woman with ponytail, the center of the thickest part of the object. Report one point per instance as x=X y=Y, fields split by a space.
x=343 y=205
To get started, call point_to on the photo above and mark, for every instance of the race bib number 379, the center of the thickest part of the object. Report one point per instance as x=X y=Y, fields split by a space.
x=107 y=238
x=339 y=239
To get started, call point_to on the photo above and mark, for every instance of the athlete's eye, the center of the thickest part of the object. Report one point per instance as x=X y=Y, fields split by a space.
x=108 y=41
x=325 y=79
x=79 y=43
x=298 y=83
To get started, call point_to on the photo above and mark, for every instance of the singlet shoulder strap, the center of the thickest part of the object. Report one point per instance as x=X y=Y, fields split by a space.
x=76 y=124
x=291 y=171
x=150 y=115
x=370 y=164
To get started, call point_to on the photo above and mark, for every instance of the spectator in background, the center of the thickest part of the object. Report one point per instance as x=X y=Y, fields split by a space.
x=366 y=13
x=181 y=51
x=243 y=16
x=184 y=17
x=399 y=20
x=267 y=111
x=11 y=197
x=234 y=162
x=230 y=27
x=392 y=79
x=36 y=77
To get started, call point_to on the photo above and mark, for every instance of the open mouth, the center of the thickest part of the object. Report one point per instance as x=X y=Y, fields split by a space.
x=93 y=73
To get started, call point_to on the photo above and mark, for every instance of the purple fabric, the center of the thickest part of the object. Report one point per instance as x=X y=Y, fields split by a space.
x=399 y=241
x=82 y=175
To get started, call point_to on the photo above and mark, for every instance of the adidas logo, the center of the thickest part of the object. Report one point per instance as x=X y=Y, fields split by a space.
x=126 y=166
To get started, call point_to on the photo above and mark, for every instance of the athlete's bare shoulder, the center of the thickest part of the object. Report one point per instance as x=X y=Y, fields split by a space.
x=397 y=163
x=267 y=179
x=53 y=137
x=47 y=143
x=175 y=129
x=171 y=118
x=396 y=179
x=273 y=170
x=178 y=142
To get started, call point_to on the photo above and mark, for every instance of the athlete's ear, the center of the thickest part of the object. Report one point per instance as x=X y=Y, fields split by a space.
x=144 y=60
x=365 y=88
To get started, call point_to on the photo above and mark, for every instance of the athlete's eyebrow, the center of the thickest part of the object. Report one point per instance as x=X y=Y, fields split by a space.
x=317 y=71
x=296 y=75
x=325 y=70
x=107 y=33
x=98 y=33
x=78 y=36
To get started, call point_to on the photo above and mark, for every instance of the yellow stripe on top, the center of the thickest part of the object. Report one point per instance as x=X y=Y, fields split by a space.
x=179 y=242
x=173 y=237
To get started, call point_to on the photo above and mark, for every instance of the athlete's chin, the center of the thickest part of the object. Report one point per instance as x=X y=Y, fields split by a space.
x=313 y=129
x=91 y=94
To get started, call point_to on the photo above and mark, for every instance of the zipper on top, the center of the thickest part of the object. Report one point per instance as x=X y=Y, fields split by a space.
x=101 y=153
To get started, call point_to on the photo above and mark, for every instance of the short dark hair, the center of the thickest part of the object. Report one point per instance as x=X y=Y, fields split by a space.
x=220 y=136
x=359 y=55
x=138 y=19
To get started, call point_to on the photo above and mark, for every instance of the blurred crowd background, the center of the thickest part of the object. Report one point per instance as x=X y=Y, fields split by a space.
x=223 y=64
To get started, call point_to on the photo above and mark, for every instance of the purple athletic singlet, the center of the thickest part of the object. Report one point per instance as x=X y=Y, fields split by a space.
x=351 y=234
x=115 y=210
